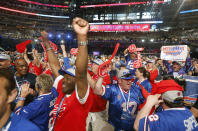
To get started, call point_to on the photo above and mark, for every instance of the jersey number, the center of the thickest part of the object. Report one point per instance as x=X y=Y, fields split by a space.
x=132 y=105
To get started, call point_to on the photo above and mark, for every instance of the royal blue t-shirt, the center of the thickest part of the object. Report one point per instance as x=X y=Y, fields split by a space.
x=17 y=123
x=173 y=119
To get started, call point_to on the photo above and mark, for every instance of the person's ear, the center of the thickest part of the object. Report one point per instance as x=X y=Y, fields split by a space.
x=12 y=96
x=119 y=81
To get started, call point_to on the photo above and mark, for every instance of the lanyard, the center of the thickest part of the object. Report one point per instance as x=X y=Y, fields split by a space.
x=18 y=87
x=127 y=102
x=57 y=113
x=16 y=81
x=7 y=125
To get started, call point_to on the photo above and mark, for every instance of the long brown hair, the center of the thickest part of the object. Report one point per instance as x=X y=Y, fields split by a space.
x=145 y=73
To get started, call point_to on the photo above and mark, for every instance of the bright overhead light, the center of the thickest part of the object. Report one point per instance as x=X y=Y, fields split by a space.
x=50 y=35
x=148 y=22
x=36 y=40
x=59 y=35
x=151 y=40
x=62 y=41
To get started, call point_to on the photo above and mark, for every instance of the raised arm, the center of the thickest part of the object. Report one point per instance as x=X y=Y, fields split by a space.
x=53 y=60
x=188 y=61
x=194 y=109
x=63 y=50
x=91 y=81
x=151 y=101
x=35 y=56
x=81 y=28
x=126 y=51
x=26 y=57
x=98 y=87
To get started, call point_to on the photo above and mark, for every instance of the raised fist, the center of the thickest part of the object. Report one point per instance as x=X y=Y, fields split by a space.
x=80 y=26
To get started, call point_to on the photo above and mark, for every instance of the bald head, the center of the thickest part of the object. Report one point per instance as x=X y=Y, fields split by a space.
x=21 y=67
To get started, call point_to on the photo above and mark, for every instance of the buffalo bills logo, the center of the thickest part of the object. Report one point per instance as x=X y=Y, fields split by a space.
x=119 y=97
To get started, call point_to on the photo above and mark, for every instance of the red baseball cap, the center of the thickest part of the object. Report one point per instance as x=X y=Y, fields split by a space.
x=169 y=89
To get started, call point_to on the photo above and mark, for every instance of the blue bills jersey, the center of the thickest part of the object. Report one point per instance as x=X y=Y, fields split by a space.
x=146 y=84
x=173 y=119
x=38 y=111
x=122 y=106
x=17 y=123
x=67 y=63
x=130 y=64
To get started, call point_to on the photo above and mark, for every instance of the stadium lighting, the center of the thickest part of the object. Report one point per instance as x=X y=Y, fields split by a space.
x=50 y=35
x=37 y=3
x=31 y=13
x=36 y=40
x=62 y=41
x=151 y=40
x=59 y=35
x=100 y=5
x=188 y=11
x=68 y=36
x=148 y=22
x=121 y=4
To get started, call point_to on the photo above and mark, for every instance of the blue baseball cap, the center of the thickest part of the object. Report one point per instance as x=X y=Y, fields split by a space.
x=124 y=74
x=97 y=61
x=69 y=71
x=4 y=56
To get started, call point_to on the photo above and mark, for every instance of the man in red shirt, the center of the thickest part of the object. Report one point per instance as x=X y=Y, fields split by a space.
x=96 y=118
x=75 y=97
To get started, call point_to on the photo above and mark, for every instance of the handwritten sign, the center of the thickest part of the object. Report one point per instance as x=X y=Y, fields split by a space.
x=174 y=53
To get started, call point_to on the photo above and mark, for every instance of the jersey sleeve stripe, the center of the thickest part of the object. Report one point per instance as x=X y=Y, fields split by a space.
x=103 y=90
x=55 y=85
x=145 y=123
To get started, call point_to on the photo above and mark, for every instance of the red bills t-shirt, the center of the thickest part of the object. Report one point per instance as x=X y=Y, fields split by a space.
x=99 y=103
x=73 y=111
x=48 y=72
x=34 y=69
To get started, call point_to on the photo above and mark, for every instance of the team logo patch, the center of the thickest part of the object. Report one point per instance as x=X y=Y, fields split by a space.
x=118 y=97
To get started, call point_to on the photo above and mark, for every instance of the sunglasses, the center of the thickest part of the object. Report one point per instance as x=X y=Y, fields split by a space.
x=127 y=75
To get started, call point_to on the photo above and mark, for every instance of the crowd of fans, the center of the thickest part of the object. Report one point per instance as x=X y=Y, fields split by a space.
x=74 y=90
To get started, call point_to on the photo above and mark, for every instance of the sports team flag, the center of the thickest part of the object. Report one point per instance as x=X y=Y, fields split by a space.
x=22 y=46
x=53 y=46
x=191 y=90
x=138 y=62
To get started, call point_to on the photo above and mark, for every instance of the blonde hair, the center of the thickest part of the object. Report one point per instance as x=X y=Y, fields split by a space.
x=45 y=82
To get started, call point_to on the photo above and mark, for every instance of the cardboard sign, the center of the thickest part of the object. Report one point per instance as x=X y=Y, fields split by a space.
x=174 y=53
